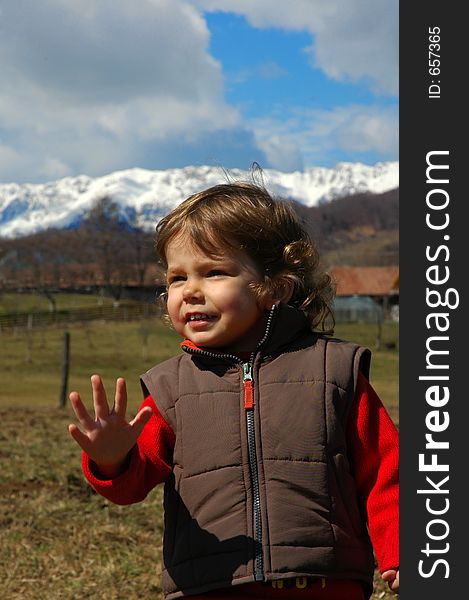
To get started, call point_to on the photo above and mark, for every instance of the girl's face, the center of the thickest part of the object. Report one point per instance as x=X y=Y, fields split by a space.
x=209 y=299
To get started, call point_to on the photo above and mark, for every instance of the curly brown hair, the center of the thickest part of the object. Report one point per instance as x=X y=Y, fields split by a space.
x=244 y=217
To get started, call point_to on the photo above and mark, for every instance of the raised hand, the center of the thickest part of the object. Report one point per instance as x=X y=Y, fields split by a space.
x=108 y=438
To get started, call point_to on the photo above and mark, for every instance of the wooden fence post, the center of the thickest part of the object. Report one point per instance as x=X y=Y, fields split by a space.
x=29 y=336
x=65 y=369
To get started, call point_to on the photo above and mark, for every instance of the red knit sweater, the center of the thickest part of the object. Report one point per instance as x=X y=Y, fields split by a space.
x=373 y=449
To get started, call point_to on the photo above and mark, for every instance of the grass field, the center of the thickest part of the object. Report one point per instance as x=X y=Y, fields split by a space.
x=31 y=361
x=59 y=540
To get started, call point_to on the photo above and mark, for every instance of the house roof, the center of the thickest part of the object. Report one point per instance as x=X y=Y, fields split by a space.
x=365 y=281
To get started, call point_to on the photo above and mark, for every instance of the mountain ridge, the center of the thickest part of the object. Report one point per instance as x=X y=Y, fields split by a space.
x=144 y=196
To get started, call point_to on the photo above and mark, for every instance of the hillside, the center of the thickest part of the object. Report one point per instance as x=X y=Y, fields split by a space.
x=362 y=229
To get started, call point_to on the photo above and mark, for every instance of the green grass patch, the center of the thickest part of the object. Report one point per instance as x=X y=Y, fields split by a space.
x=31 y=363
x=384 y=372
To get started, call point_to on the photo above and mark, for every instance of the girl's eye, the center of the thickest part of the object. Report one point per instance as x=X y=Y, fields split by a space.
x=215 y=273
x=175 y=279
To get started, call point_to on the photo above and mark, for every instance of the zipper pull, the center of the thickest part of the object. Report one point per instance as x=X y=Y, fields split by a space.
x=247 y=383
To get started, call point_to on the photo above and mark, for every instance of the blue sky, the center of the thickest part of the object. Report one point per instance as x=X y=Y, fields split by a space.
x=93 y=86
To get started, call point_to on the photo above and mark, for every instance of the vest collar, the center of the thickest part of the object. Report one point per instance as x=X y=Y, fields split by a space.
x=285 y=323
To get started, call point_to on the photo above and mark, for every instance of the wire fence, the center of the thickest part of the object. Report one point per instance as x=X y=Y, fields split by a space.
x=121 y=312
x=345 y=312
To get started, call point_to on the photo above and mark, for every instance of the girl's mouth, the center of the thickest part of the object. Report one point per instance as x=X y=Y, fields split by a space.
x=200 y=321
x=194 y=317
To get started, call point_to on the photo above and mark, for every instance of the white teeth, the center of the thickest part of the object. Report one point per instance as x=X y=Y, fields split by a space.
x=198 y=317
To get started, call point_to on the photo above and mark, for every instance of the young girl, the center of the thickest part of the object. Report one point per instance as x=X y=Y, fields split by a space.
x=279 y=460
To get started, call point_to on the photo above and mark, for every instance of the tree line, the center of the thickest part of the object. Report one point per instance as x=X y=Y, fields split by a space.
x=103 y=250
x=106 y=250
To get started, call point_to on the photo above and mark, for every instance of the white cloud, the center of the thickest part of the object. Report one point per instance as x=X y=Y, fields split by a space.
x=53 y=168
x=354 y=40
x=368 y=129
x=110 y=50
x=10 y=161
x=87 y=83
x=314 y=134
x=91 y=86
x=282 y=151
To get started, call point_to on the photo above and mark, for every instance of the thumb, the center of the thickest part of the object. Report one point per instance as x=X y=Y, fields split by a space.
x=80 y=438
x=141 y=419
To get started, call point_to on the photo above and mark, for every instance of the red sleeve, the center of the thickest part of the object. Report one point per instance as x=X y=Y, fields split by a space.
x=150 y=463
x=374 y=454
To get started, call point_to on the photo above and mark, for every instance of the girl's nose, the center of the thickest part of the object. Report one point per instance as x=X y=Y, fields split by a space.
x=191 y=291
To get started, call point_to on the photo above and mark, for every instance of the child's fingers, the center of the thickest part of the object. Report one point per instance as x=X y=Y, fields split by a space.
x=80 y=438
x=101 y=407
x=120 y=399
x=392 y=579
x=82 y=414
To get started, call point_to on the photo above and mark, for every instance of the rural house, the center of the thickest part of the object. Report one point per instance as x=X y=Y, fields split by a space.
x=366 y=293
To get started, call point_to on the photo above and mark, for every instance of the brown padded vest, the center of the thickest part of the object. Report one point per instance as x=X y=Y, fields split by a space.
x=269 y=495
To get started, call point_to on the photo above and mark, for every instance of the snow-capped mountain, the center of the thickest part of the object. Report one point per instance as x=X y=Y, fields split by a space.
x=149 y=195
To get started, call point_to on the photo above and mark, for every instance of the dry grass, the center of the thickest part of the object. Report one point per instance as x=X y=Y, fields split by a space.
x=59 y=539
